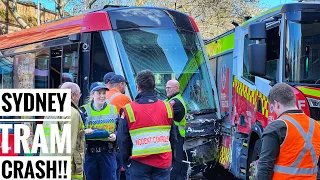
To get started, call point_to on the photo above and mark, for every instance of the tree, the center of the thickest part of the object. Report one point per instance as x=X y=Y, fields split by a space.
x=12 y=6
x=214 y=17
x=60 y=6
x=78 y=6
x=90 y=3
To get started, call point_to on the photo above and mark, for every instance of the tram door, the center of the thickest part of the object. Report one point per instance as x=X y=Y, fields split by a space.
x=64 y=65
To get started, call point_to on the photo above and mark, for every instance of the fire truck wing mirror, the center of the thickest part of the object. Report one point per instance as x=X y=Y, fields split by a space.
x=257 y=31
x=257 y=57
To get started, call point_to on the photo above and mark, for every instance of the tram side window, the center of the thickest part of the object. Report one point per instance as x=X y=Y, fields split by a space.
x=31 y=70
x=23 y=71
x=100 y=61
x=41 y=74
x=70 y=63
x=6 y=70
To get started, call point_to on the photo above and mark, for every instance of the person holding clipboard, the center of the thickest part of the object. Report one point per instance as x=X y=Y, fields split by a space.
x=100 y=125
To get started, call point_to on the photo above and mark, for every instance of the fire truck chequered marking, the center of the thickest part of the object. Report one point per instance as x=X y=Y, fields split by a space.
x=251 y=95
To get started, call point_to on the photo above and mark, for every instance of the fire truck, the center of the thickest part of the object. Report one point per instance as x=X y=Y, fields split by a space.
x=279 y=45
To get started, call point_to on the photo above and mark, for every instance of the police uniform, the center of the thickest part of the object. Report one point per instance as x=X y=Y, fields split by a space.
x=100 y=161
x=144 y=140
x=179 y=169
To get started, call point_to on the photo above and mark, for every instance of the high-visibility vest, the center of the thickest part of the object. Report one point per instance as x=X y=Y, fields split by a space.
x=299 y=152
x=149 y=131
x=104 y=119
x=112 y=97
x=182 y=124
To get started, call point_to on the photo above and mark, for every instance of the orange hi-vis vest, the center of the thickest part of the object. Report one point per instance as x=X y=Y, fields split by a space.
x=149 y=128
x=299 y=152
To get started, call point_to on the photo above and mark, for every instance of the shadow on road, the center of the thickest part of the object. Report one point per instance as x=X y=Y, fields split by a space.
x=219 y=173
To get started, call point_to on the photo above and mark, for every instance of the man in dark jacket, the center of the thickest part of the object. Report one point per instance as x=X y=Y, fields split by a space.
x=145 y=126
x=284 y=145
x=178 y=171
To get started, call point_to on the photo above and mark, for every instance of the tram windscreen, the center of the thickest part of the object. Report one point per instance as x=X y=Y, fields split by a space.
x=170 y=54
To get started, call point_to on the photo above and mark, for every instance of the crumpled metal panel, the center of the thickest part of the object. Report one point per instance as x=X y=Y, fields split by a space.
x=200 y=125
x=202 y=157
x=202 y=141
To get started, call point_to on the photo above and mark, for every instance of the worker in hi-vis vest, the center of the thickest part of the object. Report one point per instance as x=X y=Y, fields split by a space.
x=100 y=123
x=179 y=169
x=144 y=133
x=116 y=97
x=291 y=144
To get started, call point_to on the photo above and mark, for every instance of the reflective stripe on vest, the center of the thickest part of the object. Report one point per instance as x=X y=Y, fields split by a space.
x=293 y=169
x=104 y=119
x=169 y=111
x=182 y=124
x=130 y=113
x=47 y=131
x=133 y=119
x=77 y=176
x=150 y=140
x=112 y=97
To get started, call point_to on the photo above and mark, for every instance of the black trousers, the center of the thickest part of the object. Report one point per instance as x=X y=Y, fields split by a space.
x=140 y=171
x=179 y=169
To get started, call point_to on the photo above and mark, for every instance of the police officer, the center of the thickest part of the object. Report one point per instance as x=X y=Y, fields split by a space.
x=100 y=161
x=179 y=170
x=290 y=144
x=144 y=133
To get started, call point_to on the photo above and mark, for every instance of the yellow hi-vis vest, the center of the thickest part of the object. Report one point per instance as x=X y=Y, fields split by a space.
x=148 y=139
x=104 y=119
x=182 y=124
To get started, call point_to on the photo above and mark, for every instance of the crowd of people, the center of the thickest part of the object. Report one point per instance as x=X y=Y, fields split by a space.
x=111 y=132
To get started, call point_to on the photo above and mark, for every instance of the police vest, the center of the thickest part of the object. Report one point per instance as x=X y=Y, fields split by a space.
x=182 y=124
x=104 y=119
x=299 y=152
x=149 y=127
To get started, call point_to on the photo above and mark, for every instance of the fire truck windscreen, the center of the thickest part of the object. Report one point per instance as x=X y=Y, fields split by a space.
x=303 y=53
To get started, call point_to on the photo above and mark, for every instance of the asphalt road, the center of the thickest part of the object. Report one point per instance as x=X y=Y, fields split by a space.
x=219 y=173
